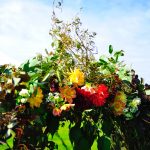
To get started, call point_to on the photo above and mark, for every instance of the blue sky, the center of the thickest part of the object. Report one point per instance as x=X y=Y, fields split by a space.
x=25 y=25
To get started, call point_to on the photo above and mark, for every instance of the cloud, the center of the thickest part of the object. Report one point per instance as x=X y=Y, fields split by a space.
x=125 y=26
x=5 y=59
x=24 y=28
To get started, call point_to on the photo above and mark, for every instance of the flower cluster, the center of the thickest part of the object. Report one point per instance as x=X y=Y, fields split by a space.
x=68 y=84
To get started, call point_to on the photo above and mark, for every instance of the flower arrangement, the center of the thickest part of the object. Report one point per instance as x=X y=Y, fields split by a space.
x=96 y=98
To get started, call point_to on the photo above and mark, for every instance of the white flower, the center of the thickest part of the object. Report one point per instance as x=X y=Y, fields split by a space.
x=10 y=131
x=11 y=125
x=50 y=94
x=9 y=81
x=24 y=93
x=56 y=97
x=23 y=100
x=135 y=102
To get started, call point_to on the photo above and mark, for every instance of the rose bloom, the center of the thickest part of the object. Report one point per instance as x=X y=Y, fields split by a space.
x=77 y=77
x=68 y=93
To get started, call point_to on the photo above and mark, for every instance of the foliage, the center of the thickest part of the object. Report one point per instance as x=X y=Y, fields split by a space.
x=96 y=97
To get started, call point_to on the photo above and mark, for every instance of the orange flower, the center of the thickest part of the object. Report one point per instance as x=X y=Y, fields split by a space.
x=120 y=95
x=66 y=107
x=119 y=103
x=36 y=100
x=67 y=93
x=118 y=107
x=56 y=112
x=77 y=77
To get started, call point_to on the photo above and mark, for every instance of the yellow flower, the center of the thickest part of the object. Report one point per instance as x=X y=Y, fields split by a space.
x=36 y=100
x=77 y=77
x=120 y=95
x=67 y=93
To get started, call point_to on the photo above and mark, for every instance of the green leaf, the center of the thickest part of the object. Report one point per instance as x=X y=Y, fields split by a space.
x=52 y=123
x=46 y=77
x=31 y=88
x=107 y=126
x=110 y=49
x=112 y=60
x=103 y=62
x=79 y=139
x=2 y=68
x=52 y=44
x=7 y=71
x=33 y=62
x=57 y=20
x=118 y=54
x=55 y=57
x=52 y=145
x=78 y=45
x=83 y=144
x=25 y=66
x=75 y=134
x=103 y=143
x=11 y=139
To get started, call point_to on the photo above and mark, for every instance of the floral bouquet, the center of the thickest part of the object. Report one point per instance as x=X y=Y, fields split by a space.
x=95 y=100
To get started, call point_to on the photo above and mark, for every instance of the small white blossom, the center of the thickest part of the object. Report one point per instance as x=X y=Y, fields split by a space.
x=135 y=102
x=23 y=100
x=9 y=81
x=24 y=93
x=56 y=97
